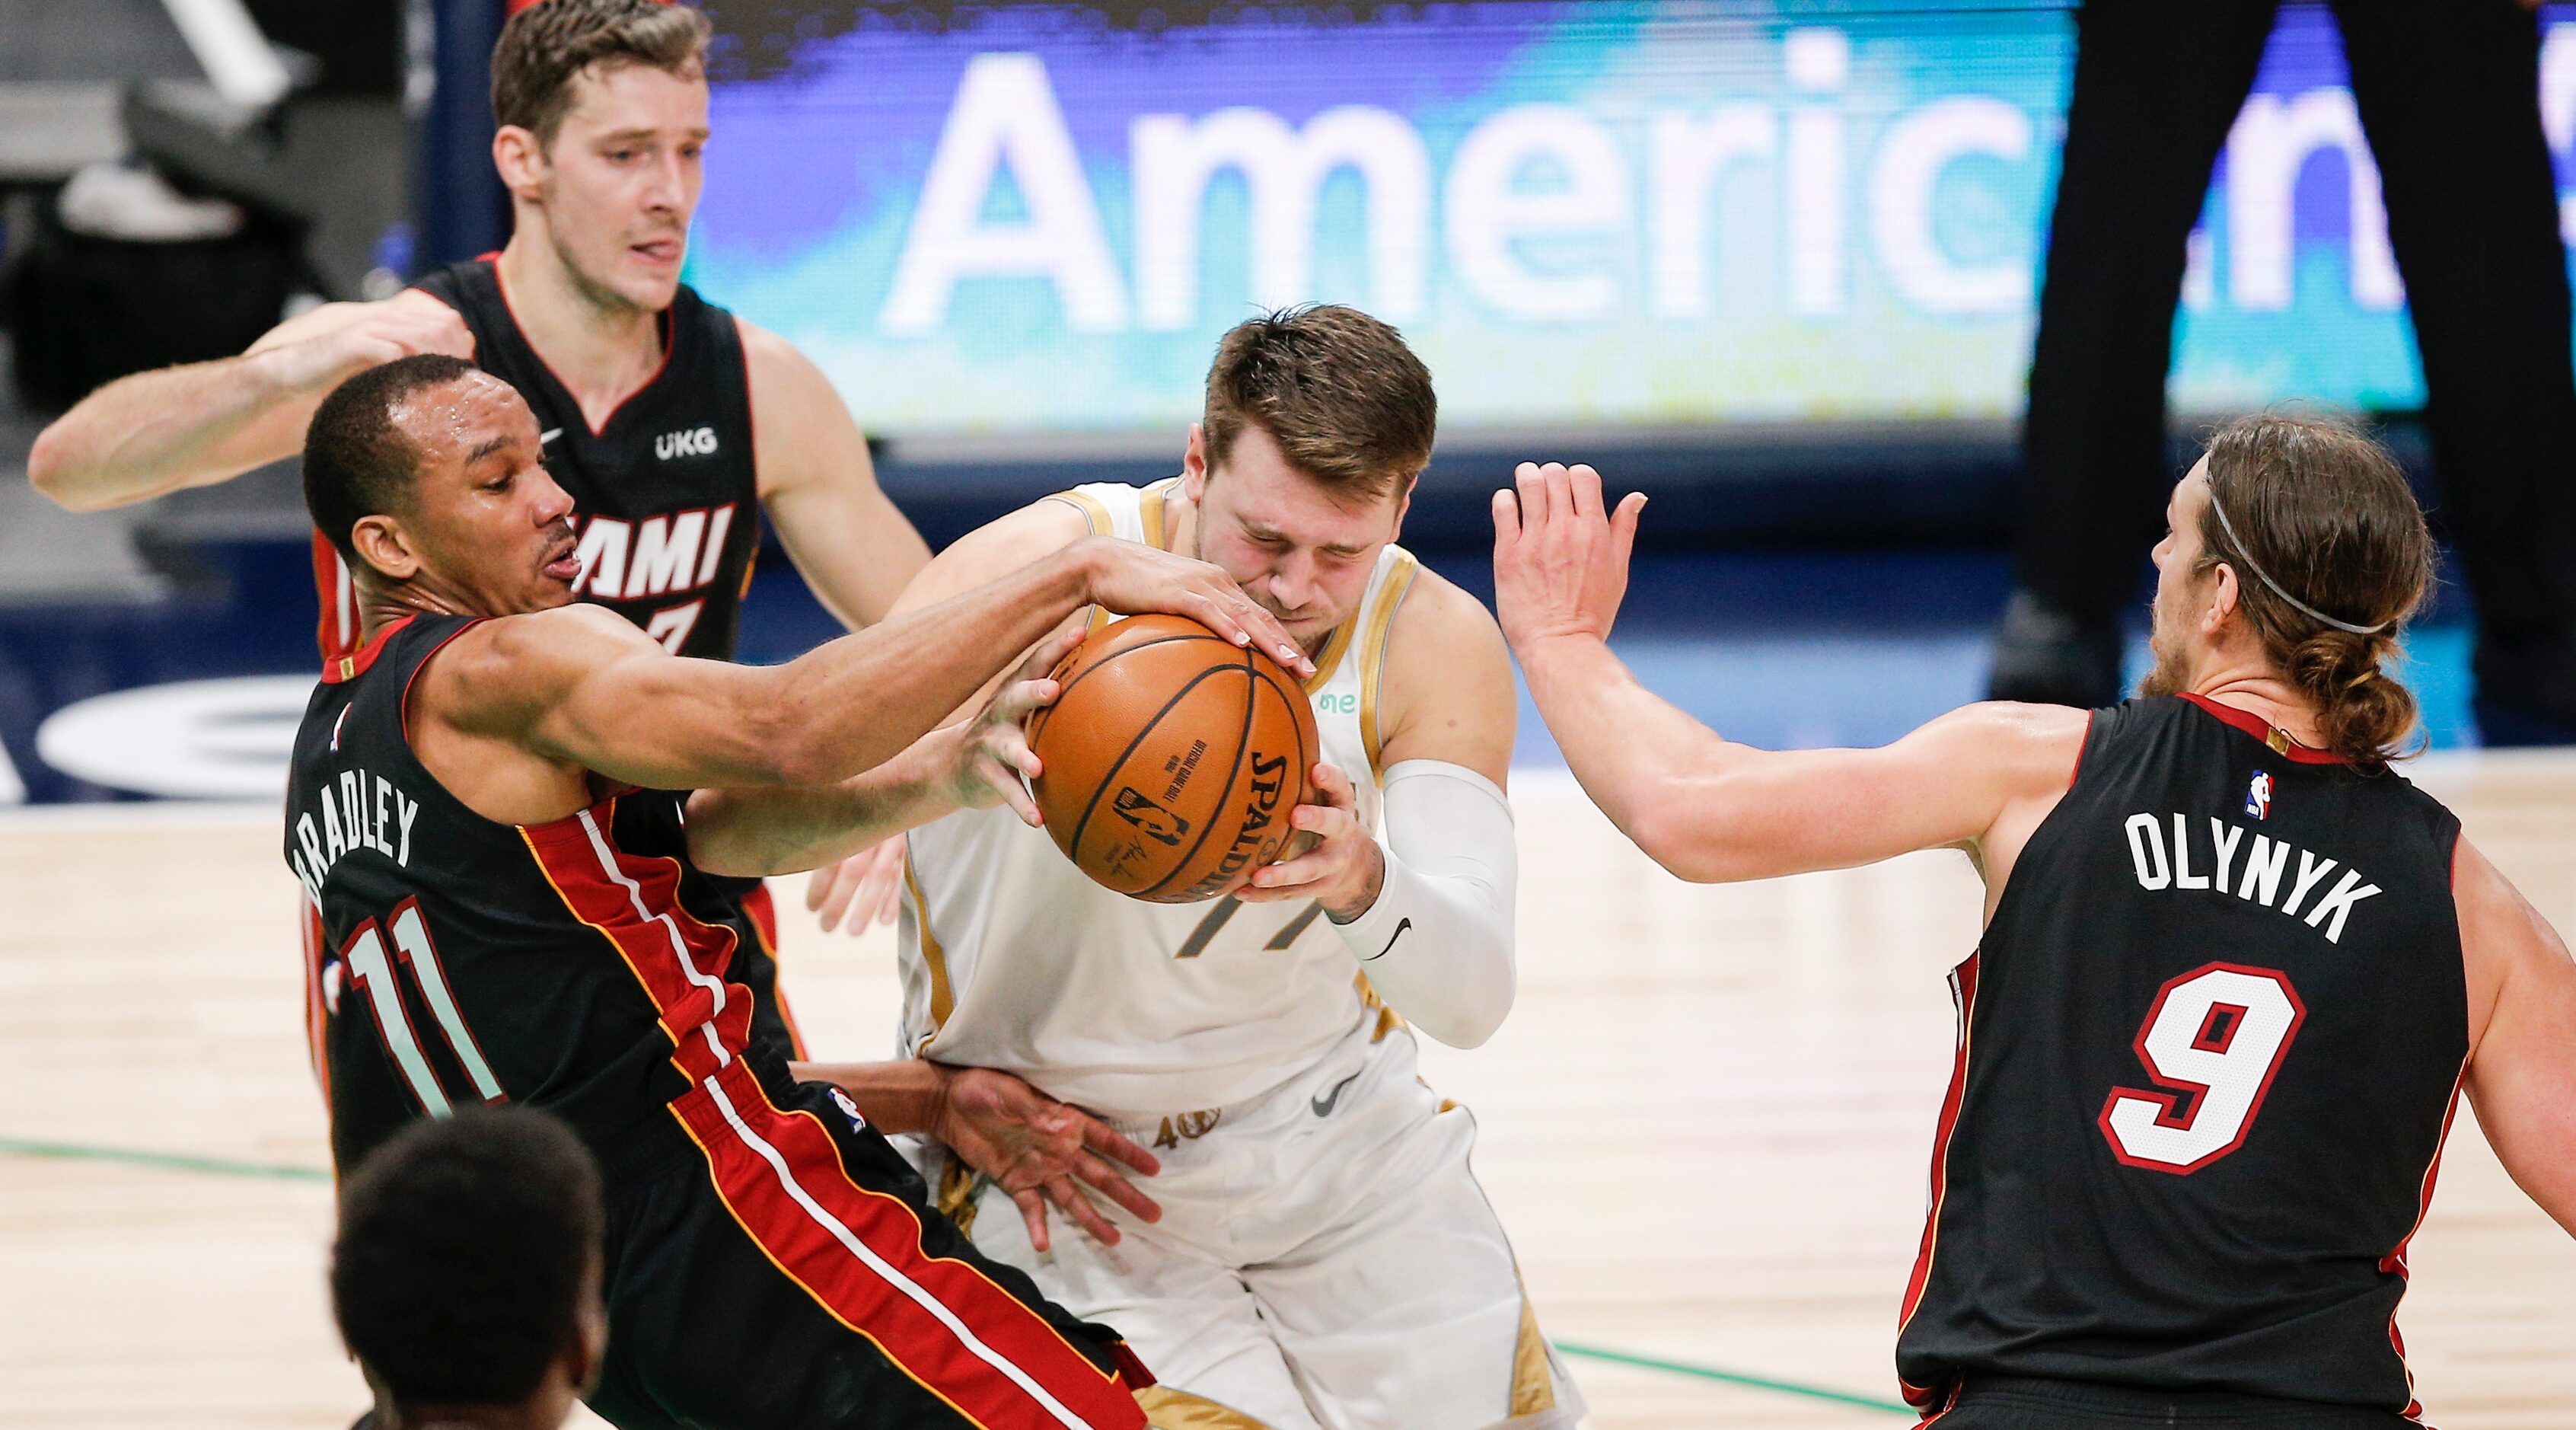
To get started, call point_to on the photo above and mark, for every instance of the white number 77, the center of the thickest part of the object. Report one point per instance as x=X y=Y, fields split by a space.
x=369 y=969
x=2216 y=1035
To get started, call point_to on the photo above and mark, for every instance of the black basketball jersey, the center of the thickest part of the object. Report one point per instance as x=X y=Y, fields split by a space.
x=583 y=966
x=2209 y=1049
x=665 y=494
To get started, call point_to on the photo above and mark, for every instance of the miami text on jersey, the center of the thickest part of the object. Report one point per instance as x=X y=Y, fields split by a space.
x=2178 y=866
x=680 y=551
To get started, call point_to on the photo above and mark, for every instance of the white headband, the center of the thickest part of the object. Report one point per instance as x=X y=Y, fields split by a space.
x=2302 y=607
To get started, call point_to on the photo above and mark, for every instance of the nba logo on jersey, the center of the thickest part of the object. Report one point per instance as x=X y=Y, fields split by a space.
x=849 y=1109
x=2258 y=795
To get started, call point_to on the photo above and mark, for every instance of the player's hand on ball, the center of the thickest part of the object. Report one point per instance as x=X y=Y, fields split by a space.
x=992 y=750
x=1040 y=1150
x=1131 y=578
x=867 y=887
x=1560 y=562
x=1341 y=865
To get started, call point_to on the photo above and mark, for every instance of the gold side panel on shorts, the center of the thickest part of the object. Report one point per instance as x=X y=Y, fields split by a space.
x=1388 y=1020
x=1169 y=1409
x=943 y=998
x=1533 y=1385
x=1373 y=634
x=958 y=1184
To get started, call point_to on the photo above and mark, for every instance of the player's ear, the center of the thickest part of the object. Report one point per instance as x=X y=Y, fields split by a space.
x=520 y=159
x=1194 y=471
x=588 y=1353
x=380 y=543
x=2223 y=597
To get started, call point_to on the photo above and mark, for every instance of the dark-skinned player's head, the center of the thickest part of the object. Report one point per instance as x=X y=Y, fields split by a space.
x=1318 y=420
x=428 y=475
x=466 y=1274
x=2296 y=542
x=602 y=107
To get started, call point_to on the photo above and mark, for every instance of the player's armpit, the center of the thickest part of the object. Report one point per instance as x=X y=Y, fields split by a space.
x=2522 y=1031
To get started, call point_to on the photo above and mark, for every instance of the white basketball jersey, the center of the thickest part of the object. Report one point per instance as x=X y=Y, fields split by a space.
x=1012 y=958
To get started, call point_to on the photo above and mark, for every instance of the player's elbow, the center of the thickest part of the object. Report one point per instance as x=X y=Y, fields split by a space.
x=1674 y=836
x=1472 y=1024
x=51 y=471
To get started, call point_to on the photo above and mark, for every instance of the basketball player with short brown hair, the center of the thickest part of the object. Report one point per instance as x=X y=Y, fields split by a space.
x=1315 y=1251
x=516 y=815
x=674 y=425
x=2235 y=970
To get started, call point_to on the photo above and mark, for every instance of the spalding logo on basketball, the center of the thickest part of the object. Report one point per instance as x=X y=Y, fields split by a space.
x=1172 y=759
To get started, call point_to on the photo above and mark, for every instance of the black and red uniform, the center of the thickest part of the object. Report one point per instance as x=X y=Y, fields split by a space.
x=2209 y=1050
x=666 y=497
x=771 y=1260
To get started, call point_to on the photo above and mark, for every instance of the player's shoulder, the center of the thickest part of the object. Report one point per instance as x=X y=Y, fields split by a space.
x=1439 y=615
x=527 y=648
x=778 y=370
x=2037 y=746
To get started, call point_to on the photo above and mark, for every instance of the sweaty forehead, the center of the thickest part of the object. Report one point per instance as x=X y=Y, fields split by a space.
x=452 y=421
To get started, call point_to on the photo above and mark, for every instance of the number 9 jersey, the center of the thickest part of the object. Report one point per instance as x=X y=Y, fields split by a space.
x=2209 y=1049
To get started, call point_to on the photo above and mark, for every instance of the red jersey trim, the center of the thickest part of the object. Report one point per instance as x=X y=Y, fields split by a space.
x=945 y=1324
x=670 y=340
x=350 y=667
x=1964 y=984
x=2395 y=1261
x=2261 y=729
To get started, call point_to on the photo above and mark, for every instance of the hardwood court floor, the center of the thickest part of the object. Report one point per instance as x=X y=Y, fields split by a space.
x=1706 y=1124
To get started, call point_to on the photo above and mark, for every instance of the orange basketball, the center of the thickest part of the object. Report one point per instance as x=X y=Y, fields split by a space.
x=1172 y=759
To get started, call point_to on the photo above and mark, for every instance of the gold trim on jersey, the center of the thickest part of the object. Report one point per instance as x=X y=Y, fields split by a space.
x=1149 y=511
x=943 y=998
x=1096 y=515
x=1373 y=642
x=1169 y=1409
x=1330 y=659
x=1533 y=1383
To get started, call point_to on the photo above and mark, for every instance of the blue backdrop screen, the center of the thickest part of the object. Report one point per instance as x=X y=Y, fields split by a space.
x=1037 y=218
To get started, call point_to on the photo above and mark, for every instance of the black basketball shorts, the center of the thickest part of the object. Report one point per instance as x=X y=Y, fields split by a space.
x=787 y=1271
x=2026 y=1403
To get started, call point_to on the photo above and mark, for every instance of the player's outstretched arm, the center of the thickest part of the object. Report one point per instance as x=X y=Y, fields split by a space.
x=579 y=686
x=971 y=764
x=1704 y=807
x=2522 y=1033
x=202 y=423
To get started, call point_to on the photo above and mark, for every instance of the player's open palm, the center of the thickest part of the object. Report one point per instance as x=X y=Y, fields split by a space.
x=1040 y=1150
x=1560 y=560
x=991 y=752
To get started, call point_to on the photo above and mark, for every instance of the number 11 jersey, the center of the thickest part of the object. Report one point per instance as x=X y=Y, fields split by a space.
x=583 y=965
x=2209 y=1050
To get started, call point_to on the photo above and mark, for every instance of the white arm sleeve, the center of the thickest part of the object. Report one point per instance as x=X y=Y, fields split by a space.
x=1437 y=944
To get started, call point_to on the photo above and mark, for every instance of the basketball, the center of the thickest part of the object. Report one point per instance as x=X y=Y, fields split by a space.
x=1172 y=759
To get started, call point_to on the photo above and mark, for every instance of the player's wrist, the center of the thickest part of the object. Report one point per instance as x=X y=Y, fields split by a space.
x=1370 y=886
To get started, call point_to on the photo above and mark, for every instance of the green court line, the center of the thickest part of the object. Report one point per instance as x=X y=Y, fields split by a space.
x=271 y=1171
x=165 y=1161
x=1733 y=1377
